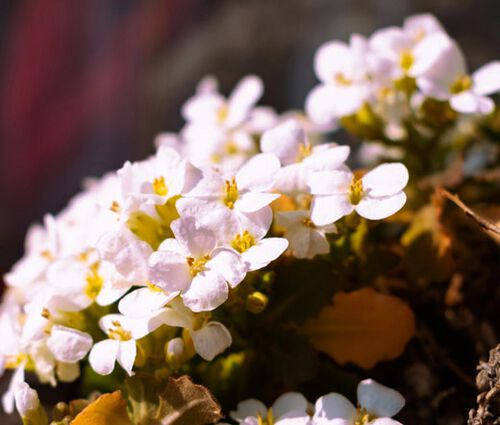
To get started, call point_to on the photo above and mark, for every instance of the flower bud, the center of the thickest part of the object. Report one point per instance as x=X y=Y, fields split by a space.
x=256 y=302
x=174 y=352
x=28 y=406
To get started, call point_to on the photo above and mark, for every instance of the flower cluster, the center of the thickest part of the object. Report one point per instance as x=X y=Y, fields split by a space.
x=156 y=256
x=376 y=405
x=394 y=71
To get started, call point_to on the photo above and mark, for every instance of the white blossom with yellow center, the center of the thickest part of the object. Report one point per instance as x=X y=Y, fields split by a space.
x=376 y=195
x=376 y=405
x=122 y=333
x=192 y=265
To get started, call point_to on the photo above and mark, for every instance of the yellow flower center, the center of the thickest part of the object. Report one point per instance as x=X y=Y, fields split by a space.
x=222 y=114
x=230 y=193
x=267 y=420
x=242 y=242
x=362 y=417
x=197 y=265
x=118 y=333
x=406 y=60
x=356 y=191
x=462 y=83
x=305 y=149
x=94 y=281
x=159 y=186
x=341 y=79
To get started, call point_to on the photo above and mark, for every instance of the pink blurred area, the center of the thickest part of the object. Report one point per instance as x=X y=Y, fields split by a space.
x=71 y=83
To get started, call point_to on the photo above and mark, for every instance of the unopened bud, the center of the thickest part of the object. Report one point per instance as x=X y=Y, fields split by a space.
x=256 y=302
x=174 y=352
x=268 y=277
x=28 y=406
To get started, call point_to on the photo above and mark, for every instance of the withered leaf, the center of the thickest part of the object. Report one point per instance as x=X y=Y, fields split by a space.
x=186 y=403
x=363 y=327
x=108 y=409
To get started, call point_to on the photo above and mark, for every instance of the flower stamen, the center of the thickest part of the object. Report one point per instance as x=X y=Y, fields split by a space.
x=231 y=194
x=243 y=242
x=197 y=265
x=356 y=191
x=159 y=186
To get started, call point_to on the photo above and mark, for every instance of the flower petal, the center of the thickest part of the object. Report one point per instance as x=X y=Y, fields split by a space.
x=284 y=141
x=333 y=406
x=386 y=179
x=128 y=254
x=68 y=345
x=169 y=270
x=487 y=78
x=126 y=355
x=244 y=96
x=288 y=402
x=211 y=340
x=250 y=407
x=330 y=182
x=207 y=291
x=227 y=263
x=103 y=355
x=196 y=239
x=471 y=103
x=328 y=209
x=257 y=174
x=381 y=207
x=265 y=251
x=144 y=301
x=378 y=399
x=330 y=59
x=251 y=201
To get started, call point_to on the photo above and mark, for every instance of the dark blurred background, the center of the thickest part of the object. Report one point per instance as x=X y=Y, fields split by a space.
x=85 y=85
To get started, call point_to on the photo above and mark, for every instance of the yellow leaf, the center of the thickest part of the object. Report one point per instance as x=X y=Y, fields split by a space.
x=108 y=409
x=362 y=327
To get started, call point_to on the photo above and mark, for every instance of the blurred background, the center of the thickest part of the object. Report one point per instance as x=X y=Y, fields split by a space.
x=86 y=85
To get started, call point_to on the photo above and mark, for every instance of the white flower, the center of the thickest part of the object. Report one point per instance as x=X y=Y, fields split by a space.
x=75 y=283
x=257 y=252
x=157 y=179
x=120 y=346
x=344 y=74
x=420 y=26
x=376 y=195
x=289 y=142
x=288 y=409
x=209 y=107
x=41 y=248
x=377 y=404
x=446 y=78
x=306 y=238
x=210 y=338
x=224 y=203
x=193 y=265
x=128 y=255
x=225 y=126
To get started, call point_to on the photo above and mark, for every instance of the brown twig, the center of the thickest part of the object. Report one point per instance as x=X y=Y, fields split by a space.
x=483 y=222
